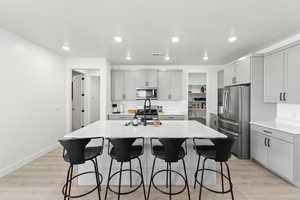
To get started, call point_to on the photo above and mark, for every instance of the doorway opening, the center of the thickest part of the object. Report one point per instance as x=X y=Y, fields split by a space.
x=85 y=97
x=197 y=107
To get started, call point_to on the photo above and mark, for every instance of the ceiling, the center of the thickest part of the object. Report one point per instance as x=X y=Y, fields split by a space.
x=88 y=26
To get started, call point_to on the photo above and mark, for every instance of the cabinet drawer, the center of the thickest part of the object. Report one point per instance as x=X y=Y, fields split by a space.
x=120 y=117
x=171 y=117
x=273 y=133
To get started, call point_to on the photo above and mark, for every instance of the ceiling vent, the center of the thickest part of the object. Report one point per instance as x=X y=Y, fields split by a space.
x=157 y=54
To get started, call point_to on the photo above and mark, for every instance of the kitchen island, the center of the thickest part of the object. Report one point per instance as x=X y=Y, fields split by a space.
x=175 y=129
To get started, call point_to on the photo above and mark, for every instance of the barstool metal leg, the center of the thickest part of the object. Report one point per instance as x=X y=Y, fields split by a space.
x=98 y=172
x=67 y=184
x=142 y=177
x=230 y=182
x=222 y=178
x=97 y=177
x=201 y=183
x=167 y=173
x=196 y=173
x=108 y=178
x=70 y=184
x=130 y=173
x=120 y=180
x=151 y=178
x=170 y=181
x=186 y=179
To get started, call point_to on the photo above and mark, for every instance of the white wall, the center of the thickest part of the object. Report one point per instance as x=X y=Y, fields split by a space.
x=182 y=106
x=100 y=64
x=32 y=101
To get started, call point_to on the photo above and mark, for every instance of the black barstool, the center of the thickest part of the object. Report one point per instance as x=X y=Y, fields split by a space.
x=221 y=152
x=201 y=147
x=171 y=151
x=75 y=153
x=124 y=151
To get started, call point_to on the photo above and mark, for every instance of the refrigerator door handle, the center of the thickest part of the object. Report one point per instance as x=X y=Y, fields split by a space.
x=229 y=132
x=229 y=122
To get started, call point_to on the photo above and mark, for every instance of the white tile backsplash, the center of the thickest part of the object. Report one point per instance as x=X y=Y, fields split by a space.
x=168 y=106
x=289 y=113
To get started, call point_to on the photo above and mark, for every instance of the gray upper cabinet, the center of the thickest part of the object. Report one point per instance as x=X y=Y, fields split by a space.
x=170 y=85
x=292 y=75
x=237 y=72
x=117 y=85
x=274 y=78
x=129 y=85
x=176 y=85
x=146 y=78
x=124 y=84
x=163 y=85
x=281 y=76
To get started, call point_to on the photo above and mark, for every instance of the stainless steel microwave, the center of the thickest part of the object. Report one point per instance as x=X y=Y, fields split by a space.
x=146 y=93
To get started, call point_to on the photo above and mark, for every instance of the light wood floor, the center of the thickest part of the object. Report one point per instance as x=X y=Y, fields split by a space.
x=43 y=178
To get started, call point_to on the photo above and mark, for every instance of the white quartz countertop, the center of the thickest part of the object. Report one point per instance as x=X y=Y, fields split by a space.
x=170 y=128
x=160 y=113
x=277 y=125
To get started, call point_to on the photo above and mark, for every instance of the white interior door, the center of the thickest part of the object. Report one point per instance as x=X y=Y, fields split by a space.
x=76 y=102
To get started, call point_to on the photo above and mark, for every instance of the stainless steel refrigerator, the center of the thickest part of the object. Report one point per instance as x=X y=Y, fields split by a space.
x=234 y=117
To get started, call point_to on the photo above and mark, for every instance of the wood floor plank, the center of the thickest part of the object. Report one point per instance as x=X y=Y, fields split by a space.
x=43 y=178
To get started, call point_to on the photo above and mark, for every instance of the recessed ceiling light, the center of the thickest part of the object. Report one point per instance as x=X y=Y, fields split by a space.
x=66 y=47
x=128 y=57
x=205 y=57
x=167 y=58
x=118 y=39
x=242 y=58
x=175 y=39
x=232 y=39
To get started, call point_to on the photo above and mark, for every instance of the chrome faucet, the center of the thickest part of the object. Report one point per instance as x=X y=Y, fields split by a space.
x=145 y=109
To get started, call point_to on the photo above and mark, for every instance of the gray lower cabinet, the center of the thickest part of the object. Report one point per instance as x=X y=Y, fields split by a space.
x=274 y=150
x=171 y=117
x=120 y=117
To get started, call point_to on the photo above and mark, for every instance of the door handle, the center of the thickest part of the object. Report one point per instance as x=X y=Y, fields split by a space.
x=265 y=131
x=284 y=96
x=269 y=142
x=265 y=142
x=280 y=96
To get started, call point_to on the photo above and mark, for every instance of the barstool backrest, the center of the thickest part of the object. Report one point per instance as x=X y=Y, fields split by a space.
x=75 y=149
x=122 y=148
x=223 y=148
x=172 y=148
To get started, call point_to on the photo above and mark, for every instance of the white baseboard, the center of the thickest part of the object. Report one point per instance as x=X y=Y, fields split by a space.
x=27 y=160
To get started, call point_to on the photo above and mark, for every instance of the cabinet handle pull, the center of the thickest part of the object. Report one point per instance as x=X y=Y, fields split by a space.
x=280 y=96
x=265 y=142
x=265 y=131
x=269 y=143
x=284 y=96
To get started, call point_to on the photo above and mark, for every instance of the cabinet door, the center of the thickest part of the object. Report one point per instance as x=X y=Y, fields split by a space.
x=243 y=71
x=292 y=76
x=140 y=78
x=117 y=85
x=164 y=84
x=281 y=158
x=259 y=150
x=230 y=75
x=176 y=85
x=151 y=78
x=273 y=77
x=129 y=85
